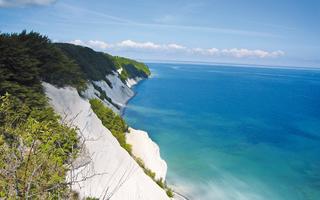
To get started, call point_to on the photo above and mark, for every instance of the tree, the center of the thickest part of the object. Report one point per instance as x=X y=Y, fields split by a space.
x=36 y=151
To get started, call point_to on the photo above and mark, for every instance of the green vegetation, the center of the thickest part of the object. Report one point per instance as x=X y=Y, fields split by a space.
x=35 y=148
x=95 y=65
x=35 y=151
x=103 y=96
x=147 y=171
x=169 y=192
x=131 y=68
x=111 y=121
x=152 y=175
x=91 y=198
x=26 y=59
x=118 y=128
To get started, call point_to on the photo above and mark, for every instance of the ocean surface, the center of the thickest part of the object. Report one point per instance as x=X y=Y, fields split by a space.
x=234 y=133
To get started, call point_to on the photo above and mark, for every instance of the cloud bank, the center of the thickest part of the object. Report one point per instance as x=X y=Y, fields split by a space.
x=129 y=45
x=13 y=3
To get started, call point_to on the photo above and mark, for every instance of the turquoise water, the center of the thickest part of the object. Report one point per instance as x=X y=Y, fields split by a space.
x=237 y=133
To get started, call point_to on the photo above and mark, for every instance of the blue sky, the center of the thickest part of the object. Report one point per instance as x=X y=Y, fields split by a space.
x=277 y=32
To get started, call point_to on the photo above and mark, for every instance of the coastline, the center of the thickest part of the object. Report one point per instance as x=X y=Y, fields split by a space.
x=142 y=145
x=144 y=137
x=123 y=109
x=112 y=171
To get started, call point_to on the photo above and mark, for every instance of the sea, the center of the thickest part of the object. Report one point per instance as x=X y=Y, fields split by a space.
x=233 y=132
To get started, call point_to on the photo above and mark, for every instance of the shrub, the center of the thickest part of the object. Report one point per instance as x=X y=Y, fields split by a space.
x=160 y=183
x=26 y=59
x=35 y=150
x=111 y=121
x=169 y=192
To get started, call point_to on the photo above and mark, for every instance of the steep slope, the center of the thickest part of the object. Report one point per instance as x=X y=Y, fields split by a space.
x=131 y=71
x=32 y=67
x=114 y=97
x=36 y=147
x=144 y=148
x=109 y=77
x=113 y=173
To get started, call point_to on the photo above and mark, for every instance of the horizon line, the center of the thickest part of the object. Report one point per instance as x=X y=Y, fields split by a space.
x=232 y=64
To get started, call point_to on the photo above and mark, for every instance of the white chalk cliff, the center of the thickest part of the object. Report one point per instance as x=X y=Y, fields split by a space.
x=118 y=92
x=144 y=148
x=104 y=169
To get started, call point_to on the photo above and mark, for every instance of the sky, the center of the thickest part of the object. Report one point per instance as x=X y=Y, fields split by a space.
x=265 y=32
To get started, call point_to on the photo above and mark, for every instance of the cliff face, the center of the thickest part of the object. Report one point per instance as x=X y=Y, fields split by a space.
x=33 y=68
x=104 y=169
x=144 y=148
x=117 y=92
x=109 y=77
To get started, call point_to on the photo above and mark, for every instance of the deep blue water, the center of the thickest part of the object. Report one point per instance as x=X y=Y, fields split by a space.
x=234 y=132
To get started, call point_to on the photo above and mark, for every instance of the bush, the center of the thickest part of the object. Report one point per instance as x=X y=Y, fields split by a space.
x=111 y=121
x=169 y=192
x=26 y=59
x=35 y=150
x=160 y=183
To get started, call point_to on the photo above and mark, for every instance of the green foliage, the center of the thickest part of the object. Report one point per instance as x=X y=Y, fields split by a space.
x=147 y=171
x=111 y=121
x=94 y=65
x=124 y=75
x=160 y=183
x=54 y=66
x=103 y=96
x=152 y=175
x=169 y=192
x=35 y=149
x=26 y=59
x=131 y=68
x=91 y=198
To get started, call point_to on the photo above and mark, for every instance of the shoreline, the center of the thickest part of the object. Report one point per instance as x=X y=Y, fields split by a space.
x=118 y=178
x=123 y=109
x=177 y=194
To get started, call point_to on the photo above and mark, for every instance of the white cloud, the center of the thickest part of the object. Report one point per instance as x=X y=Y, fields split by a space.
x=240 y=53
x=77 y=42
x=138 y=45
x=172 y=47
x=129 y=44
x=98 y=44
x=12 y=3
x=176 y=46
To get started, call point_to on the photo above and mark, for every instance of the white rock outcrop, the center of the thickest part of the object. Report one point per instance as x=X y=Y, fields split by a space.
x=132 y=81
x=105 y=170
x=119 y=92
x=144 y=148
